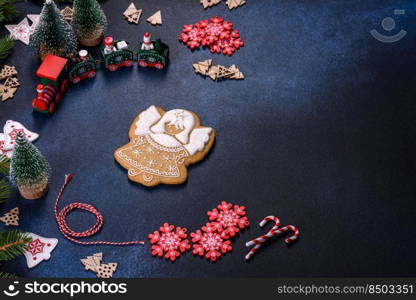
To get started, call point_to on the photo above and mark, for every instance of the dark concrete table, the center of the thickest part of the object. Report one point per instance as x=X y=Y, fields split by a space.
x=321 y=133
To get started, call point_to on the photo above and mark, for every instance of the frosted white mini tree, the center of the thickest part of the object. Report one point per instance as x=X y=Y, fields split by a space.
x=29 y=169
x=53 y=35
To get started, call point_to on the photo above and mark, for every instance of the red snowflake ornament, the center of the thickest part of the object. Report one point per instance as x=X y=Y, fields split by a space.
x=35 y=247
x=228 y=219
x=216 y=34
x=208 y=242
x=170 y=242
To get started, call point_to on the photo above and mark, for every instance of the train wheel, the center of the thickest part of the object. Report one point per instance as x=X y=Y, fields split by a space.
x=52 y=108
x=76 y=79
x=128 y=63
x=113 y=68
x=91 y=74
x=64 y=85
x=142 y=63
x=159 y=66
x=58 y=97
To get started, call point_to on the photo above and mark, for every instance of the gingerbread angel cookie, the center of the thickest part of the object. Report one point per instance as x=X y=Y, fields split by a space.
x=162 y=145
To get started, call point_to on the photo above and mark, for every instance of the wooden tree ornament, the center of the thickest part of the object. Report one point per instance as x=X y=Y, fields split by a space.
x=156 y=18
x=11 y=218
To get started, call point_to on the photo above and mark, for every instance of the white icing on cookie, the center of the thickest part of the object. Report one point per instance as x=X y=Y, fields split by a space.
x=181 y=119
x=146 y=119
x=152 y=123
x=165 y=140
x=199 y=137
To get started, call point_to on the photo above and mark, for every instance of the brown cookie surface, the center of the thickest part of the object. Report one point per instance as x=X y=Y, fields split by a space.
x=163 y=144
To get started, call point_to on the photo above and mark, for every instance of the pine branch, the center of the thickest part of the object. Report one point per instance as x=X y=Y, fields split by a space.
x=4 y=165
x=6 y=47
x=4 y=191
x=13 y=243
x=8 y=10
x=7 y=275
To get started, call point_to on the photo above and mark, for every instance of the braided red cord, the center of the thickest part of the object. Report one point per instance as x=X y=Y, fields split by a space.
x=72 y=235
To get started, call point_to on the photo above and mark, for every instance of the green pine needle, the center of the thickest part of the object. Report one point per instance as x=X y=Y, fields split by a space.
x=4 y=191
x=8 y=10
x=7 y=275
x=4 y=165
x=6 y=47
x=13 y=243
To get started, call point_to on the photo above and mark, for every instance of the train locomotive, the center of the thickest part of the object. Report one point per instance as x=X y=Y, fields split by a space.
x=57 y=73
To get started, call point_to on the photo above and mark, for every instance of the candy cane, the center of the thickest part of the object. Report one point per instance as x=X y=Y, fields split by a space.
x=274 y=231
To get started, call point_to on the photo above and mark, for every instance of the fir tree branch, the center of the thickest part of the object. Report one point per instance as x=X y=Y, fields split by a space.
x=8 y=10
x=6 y=47
x=4 y=165
x=4 y=191
x=13 y=243
x=7 y=275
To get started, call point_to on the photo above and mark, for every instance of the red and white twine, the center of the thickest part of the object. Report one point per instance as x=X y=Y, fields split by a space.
x=274 y=231
x=73 y=235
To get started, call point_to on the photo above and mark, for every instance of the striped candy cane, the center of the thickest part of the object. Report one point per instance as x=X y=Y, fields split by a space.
x=274 y=231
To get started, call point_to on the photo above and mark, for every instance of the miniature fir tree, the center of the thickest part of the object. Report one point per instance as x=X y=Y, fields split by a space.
x=29 y=169
x=89 y=22
x=53 y=35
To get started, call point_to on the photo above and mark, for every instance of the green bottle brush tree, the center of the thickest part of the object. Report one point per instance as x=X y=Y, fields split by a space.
x=89 y=22
x=29 y=169
x=53 y=35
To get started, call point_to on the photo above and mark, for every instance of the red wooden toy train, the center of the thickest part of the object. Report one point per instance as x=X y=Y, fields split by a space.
x=56 y=73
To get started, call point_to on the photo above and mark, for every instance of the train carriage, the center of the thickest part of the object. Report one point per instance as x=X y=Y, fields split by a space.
x=84 y=68
x=157 y=57
x=118 y=55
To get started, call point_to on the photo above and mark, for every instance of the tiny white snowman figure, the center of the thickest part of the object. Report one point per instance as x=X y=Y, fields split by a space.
x=109 y=45
x=147 y=43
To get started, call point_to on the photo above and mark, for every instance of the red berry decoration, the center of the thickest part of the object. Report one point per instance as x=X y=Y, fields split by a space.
x=228 y=219
x=216 y=34
x=208 y=242
x=170 y=242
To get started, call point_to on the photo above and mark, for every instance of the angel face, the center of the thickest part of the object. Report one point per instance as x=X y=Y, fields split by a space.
x=178 y=123
x=162 y=144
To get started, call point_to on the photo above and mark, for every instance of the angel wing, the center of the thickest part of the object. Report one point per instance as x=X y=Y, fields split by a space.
x=146 y=119
x=197 y=140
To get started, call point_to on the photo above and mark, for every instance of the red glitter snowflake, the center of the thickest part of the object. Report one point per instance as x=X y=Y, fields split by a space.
x=209 y=243
x=216 y=34
x=228 y=219
x=169 y=242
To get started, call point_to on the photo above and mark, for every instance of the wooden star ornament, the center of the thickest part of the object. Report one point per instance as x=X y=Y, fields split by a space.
x=20 y=31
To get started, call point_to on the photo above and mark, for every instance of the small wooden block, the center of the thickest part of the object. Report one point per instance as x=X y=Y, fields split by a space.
x=156 y=18
x=7 y=71
x=12 y=82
